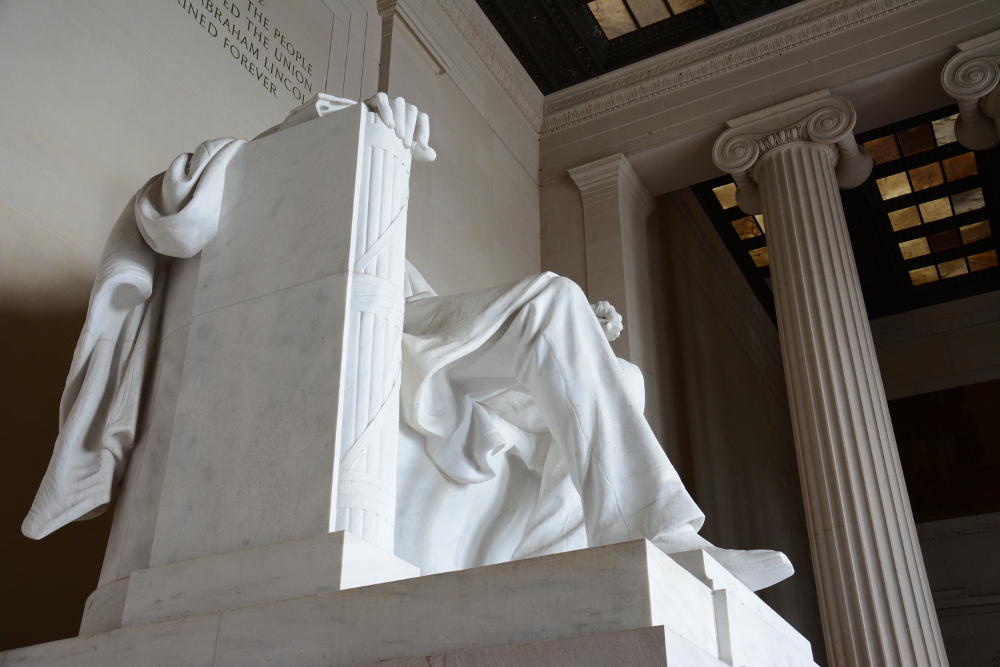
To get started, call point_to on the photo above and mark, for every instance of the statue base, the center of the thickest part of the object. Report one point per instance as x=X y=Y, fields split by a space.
x=625 y=603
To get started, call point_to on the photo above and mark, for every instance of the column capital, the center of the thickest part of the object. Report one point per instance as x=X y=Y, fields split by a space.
x=971 y=77
x=611 y=176
x=818 y=118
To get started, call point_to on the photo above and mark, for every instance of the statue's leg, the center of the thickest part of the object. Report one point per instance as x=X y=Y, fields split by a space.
x=628 y=486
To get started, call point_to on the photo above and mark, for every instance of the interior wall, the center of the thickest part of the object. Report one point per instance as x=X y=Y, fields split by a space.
x=960 y=555
x=728 y=396
x=939 y=347
x=478 y=202
x=99 y=96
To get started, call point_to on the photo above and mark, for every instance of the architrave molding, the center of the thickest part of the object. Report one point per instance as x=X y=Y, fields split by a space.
x=762 y=39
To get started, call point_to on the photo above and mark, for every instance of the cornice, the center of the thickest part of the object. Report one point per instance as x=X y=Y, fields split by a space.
x=483 y=39
x=753 y=42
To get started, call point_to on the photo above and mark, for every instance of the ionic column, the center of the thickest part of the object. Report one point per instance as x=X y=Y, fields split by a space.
x=789 y=161
x=971 y=78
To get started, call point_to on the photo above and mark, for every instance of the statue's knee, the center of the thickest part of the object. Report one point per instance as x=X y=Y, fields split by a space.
x=564 y=290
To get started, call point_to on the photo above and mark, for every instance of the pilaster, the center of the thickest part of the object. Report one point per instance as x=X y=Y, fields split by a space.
x=616 y=206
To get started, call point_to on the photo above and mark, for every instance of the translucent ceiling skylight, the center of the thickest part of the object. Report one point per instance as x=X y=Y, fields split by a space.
x=620 y=17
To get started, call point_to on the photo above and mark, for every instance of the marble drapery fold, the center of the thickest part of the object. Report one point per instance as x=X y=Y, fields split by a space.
x=175 y=213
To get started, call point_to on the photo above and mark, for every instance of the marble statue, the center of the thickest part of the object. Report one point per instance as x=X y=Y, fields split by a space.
x=518 y=431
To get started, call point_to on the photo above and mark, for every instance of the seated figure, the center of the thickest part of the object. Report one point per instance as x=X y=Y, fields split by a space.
x=521 y=432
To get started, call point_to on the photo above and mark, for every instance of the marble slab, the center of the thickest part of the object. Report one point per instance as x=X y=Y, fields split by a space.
x=298 y=568
x=606 y=604
x=598 y=590
x=749 y=631
x=253 y=454
x=104 y=608
x=652 y=647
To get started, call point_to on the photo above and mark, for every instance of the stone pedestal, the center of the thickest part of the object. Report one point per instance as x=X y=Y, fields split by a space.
x=875 y=600
x=622 y=604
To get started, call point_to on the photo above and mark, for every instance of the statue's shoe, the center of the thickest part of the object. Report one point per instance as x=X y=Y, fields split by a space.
x=756 y=568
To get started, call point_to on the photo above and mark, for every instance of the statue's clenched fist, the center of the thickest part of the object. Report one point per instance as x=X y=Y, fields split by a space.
x=410 y=124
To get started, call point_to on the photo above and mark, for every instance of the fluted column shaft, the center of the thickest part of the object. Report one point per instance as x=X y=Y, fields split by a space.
x=875 y=601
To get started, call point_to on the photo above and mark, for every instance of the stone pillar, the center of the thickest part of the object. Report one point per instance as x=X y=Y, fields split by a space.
x=616 y=206
x=971 y=78
x=876 y=605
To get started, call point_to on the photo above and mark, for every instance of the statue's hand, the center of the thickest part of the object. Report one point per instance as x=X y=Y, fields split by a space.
x=610 y=319
x=412 y=126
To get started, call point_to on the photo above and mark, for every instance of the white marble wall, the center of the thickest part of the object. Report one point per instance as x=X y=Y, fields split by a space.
x=480 y=199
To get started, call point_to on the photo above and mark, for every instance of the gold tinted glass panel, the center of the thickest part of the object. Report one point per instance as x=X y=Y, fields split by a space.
x=955 y=267
x=970 y=200
x=746 y=227
x=916 y=139
x=960 y=166
x=612 y=16
x=914 y=248
x=983 y=260
x=681 y=6
x=647 y=12
x=883 y=149
x=935 y=209
x=926 y=177
x=726 y=194
x=927 y=274
x=894 y=185
x=977 y=231
x=944 y=130
x=904 y=218
x=760 y=257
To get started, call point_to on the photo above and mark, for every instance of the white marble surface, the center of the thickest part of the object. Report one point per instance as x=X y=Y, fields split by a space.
x=488 y=613
x=873 y=589
x=649 y=647
x=289 y=203
x=311 y=566
x=104 y=608
x=749 y=632
x=251 y=462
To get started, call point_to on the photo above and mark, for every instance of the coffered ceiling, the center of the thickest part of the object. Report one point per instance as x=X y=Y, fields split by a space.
x=563 y=42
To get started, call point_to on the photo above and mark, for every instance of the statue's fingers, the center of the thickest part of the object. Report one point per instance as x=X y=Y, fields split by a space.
x=411 y=124
x=399 y=115
x=423 y=131
x=384 y=110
